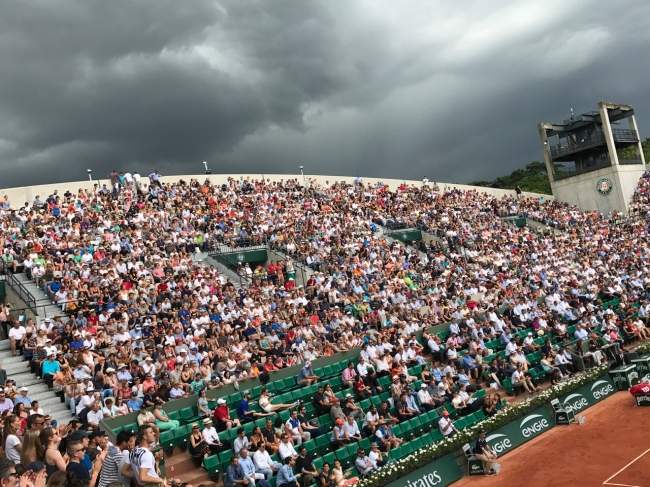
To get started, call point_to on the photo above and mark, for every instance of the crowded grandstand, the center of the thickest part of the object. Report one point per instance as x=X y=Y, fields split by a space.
x=422 y=339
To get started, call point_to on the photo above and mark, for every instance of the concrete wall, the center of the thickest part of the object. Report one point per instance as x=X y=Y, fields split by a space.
x=19 y=195
x=581 y=190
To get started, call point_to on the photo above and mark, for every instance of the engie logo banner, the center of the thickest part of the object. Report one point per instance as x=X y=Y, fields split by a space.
x=521 y=430
x=588 y=395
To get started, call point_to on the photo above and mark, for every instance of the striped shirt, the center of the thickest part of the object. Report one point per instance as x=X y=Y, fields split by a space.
x=110 y=472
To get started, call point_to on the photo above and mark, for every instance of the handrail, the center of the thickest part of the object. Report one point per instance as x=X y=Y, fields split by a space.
x=18 y=287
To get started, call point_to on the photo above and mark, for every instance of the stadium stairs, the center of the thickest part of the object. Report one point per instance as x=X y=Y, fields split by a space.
x=18 y=369
x=224 y=270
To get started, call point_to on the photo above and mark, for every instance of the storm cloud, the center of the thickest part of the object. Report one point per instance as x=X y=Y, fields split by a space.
x=349 y=87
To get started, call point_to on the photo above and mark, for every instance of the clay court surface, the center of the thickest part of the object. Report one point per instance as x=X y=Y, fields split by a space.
x=612 y=448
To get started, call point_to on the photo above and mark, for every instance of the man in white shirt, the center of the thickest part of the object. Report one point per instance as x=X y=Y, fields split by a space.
x=446 y=425
x=211 y=437
x=351 y=429
x=86 y=400
x=286 y=448
x=95 y=415
x=142 y=460
x=425 y=399
x=16 y=334
x=263 y=462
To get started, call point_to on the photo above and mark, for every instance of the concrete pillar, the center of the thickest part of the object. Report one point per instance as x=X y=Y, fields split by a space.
x=547 y=152
x=607 y=132
x=633 y=126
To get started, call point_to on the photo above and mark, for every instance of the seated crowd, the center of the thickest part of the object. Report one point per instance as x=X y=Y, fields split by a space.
x=146 y=322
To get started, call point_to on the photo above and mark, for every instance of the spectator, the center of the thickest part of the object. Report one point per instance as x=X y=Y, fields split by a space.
x=286 y=476
x=363 y=463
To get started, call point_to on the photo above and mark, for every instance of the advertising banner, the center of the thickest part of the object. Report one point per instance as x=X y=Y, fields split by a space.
x=439 y=473
x=588 y=395
x=521 y=430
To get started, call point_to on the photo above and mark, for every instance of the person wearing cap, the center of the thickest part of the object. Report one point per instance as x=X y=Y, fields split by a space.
x=22 y=397
x=221 y=416
x=85 y=400
x=351 y=408
x=483 y=452
x=82 y=437
x=123 y=373
x=110 y=410
x=306 y=375
x=211 y=437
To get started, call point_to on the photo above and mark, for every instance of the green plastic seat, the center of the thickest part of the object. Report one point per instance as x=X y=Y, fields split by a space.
x=211 y=463
x=329 y=458
x=167 y=440
x=187 y=415
x=225 y=457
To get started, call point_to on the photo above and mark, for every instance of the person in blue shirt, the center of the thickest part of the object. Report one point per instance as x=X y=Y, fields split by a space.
x=470 y=365
x=23 y=397
x=249 y=470
x=135 y=403
x=234 y=475
x=286 y=477
x=306 y=376
x=244 y=412
x=50 y=367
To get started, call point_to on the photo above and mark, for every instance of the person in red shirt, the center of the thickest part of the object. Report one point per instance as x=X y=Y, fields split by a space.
x=222 y=418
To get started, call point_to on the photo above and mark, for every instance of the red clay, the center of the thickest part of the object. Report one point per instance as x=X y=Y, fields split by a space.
x=615 y=433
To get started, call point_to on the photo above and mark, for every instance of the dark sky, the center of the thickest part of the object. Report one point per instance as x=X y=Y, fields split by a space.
x=350 y=87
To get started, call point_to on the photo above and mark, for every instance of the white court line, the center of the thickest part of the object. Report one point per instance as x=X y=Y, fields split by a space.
x=607 y=482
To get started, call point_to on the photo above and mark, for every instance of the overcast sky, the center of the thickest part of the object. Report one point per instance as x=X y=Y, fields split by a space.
x=349 y=87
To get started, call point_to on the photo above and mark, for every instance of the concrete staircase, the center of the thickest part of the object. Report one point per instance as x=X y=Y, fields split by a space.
x=18 y=369
x=180 y=465
x=237 y=280
x=44 y=306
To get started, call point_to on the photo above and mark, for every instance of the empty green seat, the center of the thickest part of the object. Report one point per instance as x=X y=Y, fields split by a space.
x=187 y=414
x=211 y=463
x=167 y=440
